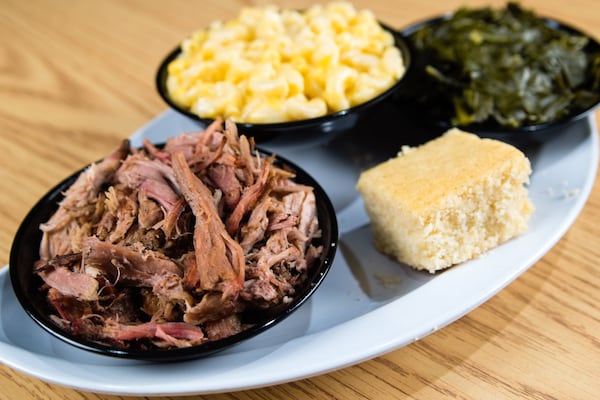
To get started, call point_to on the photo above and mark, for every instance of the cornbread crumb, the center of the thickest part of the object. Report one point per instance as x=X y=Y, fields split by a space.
x=448 y=200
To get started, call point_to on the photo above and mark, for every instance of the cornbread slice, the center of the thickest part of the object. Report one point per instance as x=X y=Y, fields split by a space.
x=448 y=200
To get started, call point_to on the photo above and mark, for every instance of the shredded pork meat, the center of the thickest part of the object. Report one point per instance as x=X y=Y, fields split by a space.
x=168 y=246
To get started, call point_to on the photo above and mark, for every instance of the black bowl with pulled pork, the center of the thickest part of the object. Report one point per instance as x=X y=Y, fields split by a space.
x=174 y=251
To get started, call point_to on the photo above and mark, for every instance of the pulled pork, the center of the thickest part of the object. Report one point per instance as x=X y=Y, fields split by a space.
x=167 y=247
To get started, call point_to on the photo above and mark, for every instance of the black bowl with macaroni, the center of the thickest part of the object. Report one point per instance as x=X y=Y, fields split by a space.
x=333 y=121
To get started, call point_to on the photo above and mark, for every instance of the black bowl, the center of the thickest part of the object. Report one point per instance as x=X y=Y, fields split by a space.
x=431 y=115
x=25 y=251
x=301 y=130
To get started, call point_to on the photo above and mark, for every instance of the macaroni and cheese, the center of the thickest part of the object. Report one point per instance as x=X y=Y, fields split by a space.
x=270 y=65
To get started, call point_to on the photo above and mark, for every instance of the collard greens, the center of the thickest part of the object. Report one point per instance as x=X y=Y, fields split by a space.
x=506 y=66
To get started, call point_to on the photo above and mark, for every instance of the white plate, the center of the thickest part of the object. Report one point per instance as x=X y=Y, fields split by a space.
x=355 y=315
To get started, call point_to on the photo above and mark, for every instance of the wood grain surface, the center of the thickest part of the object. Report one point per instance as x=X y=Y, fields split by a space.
x=78 y=76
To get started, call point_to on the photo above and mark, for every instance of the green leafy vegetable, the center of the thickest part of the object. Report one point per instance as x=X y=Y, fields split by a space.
x=506 y=66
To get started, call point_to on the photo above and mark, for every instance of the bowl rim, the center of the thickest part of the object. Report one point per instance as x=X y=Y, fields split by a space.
x=34 y=306
x=492 y=128
x=266 y=130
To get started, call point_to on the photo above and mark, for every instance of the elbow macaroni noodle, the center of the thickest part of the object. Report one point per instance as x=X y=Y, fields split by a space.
x=270 y=65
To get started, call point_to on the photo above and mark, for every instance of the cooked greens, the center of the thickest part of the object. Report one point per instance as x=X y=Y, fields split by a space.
x=505 y=66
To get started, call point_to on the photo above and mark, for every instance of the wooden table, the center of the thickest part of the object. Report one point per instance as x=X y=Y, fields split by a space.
x=77 y=76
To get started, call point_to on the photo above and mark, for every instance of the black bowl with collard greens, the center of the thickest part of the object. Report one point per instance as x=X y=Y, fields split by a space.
x=505 y=73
